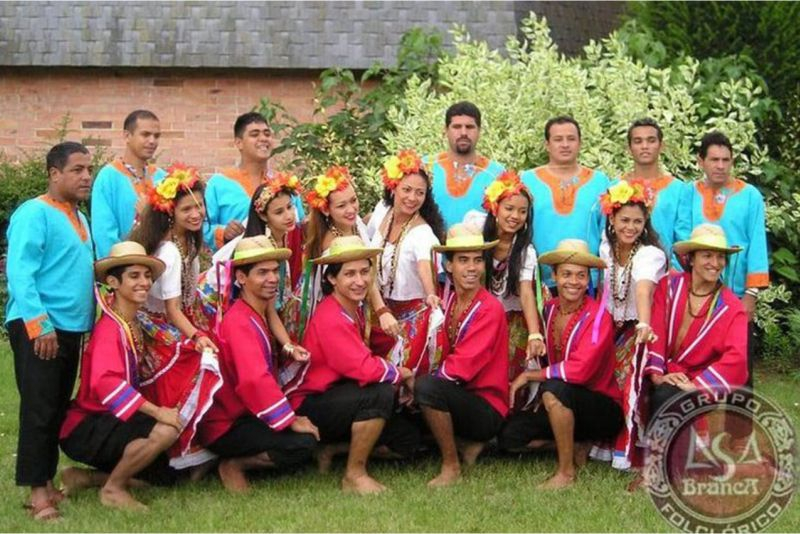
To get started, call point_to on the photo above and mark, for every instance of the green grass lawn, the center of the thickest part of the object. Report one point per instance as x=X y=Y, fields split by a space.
x=497 y=495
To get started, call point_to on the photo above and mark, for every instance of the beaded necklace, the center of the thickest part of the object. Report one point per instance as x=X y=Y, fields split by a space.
x=620 y=292
x=499 y=280
x=136 y=339
x=396 y=253
x=454 y=327
x=187 y=277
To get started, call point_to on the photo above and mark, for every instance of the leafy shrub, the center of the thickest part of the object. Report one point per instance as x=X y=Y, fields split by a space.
x=604 y=90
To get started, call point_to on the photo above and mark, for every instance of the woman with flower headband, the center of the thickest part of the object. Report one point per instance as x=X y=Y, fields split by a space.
x=333 y=212
x=635 y=263
x=511 y=265
x=406 y=225
x=171 y=230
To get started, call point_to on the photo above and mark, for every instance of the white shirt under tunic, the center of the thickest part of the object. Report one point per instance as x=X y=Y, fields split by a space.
x=168 y=285
x=648 y=264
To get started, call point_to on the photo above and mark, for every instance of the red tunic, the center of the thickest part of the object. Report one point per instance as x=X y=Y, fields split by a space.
x=108 y=377
x=249 y=374
x=338 y=352
x=713 y=354
x=587 y=360
x=479 y=357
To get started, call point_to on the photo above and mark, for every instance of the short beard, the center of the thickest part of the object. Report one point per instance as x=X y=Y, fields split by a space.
x=464 y=151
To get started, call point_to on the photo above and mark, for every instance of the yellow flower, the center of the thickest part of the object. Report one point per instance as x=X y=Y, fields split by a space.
x=325 y=185
x=621 y=192
x=293 y=181
x=168 y=188
x=494 y=190
x=392 y=167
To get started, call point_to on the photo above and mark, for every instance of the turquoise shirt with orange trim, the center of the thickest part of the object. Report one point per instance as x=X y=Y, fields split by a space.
x=228 y=197
x=113 y=204
x=50 y=268
x=453 y=197
x=739 y=209
x=565 y=211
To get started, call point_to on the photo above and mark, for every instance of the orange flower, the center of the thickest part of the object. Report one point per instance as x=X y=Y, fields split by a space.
x=626 y=192
x=336 y=178
x=506 y=185
x=398 y=166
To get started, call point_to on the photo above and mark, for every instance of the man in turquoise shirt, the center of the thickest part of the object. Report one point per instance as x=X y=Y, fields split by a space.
x=645 y=141
x=461 y=175
x=228 y=193
x=565 y=193
x=120 y=190
x=50 y=306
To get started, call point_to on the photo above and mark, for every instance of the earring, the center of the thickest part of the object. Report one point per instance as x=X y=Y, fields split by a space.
x=612 y=231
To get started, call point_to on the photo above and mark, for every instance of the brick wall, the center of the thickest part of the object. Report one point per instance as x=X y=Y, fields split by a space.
x=197 y=108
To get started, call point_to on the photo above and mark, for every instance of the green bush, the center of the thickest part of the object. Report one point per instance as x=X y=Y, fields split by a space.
x=604 y=90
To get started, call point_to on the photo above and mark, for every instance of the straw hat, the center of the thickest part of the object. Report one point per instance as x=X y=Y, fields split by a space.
x=464 y=238
x=575 y=251
x=347 y=248
x=258 y=248
x=127 y=253
x=706 y=237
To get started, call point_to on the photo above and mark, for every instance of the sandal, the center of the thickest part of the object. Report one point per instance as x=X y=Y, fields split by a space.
x=45 y=511
x=56 y=499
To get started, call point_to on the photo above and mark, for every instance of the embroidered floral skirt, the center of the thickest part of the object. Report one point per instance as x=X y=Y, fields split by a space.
x=174 y=374
x=625 y=452
x=413 y=316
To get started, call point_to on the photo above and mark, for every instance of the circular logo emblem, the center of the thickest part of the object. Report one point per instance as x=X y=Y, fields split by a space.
x=720 y=461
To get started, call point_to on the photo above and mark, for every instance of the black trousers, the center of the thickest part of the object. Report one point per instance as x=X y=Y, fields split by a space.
x=100 y=441
x=45 y=388
x=250 y=436
x=345 y=403
x=473 y=417
x=596 y=417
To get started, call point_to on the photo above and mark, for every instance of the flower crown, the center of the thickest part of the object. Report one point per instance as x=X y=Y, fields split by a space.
x=334 y=179
x=626 y=192
x=179 y=176
x=279 y=182
x=396 y=167
x=506 y=185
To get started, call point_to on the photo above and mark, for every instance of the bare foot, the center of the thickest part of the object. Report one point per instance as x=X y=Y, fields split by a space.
x=198 y=472
x=447 y=477
x=557 y=481
x=542 y=444
x=232 y=477
x=470 y=450
x=580 y=453
x=75 y=479
x=362 y=485
x=325 y=456
x=119 y=498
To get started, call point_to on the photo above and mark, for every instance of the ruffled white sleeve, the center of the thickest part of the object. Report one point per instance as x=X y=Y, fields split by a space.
x=649 y=264
x=422 y=239
x=526 y=273
x=168 y=285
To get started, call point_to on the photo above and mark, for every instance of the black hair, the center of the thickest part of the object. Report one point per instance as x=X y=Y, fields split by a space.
x=429 y=210
x=117 y=271
x=246 y=119
x=462 y=108
x=524 y=237
x=154 y=223
x=332 y=269
x=246 y=268
x=649 y=235
x=561 y=119
x=58 y=156
x=255 y=224
x=647 y=121
x=133 y=117
x=713 y=138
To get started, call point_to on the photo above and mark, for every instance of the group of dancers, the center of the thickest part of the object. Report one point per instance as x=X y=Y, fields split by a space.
x=551 y=308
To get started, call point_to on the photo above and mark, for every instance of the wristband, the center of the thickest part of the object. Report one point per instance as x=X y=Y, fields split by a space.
x=288 y=349
x=535 y=336
x=382 y=310
x=752 y=291
x=641 y=324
